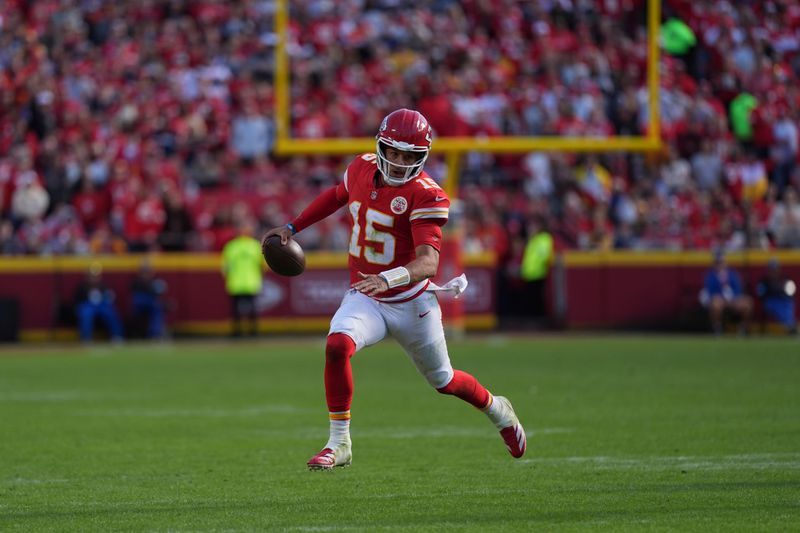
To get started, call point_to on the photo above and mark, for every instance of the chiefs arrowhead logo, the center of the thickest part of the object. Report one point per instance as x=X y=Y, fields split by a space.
x=399 y=205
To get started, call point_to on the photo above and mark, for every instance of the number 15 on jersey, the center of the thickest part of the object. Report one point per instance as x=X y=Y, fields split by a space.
x=372 y=235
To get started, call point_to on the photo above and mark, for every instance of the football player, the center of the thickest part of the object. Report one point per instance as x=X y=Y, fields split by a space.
x=396 y=216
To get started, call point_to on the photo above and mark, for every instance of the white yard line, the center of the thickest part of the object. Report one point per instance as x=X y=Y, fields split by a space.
x=41 y=396
x=256 y=410
x=27 y=481
x=757 y=461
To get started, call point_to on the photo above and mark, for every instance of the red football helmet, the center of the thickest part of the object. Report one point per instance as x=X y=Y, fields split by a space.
x=405 y=130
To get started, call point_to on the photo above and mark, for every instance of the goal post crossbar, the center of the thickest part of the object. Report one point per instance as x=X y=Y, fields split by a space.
x=286 y=145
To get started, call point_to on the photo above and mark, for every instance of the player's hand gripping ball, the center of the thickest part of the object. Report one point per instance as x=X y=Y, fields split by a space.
x=284 y=259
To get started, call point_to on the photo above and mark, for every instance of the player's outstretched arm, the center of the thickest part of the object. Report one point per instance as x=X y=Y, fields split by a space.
x=424 y=266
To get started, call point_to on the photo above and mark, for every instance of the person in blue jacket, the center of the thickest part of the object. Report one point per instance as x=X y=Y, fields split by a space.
x=147 y=298
x=723 y=292
x=777 y=296
x=93 y=299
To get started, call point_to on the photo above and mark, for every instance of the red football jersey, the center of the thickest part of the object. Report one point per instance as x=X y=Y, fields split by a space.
x=382 y=218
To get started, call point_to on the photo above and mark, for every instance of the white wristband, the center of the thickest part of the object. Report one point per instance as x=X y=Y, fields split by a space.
x=396 y=277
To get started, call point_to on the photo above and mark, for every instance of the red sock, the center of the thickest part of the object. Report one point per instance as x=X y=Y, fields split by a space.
x=469 y=389
x=338 y=372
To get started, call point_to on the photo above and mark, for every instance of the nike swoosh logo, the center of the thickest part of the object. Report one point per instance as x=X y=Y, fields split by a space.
x=423 y=314
x=439 y=198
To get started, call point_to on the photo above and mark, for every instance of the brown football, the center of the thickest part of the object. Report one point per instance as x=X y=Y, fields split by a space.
x=286 y=260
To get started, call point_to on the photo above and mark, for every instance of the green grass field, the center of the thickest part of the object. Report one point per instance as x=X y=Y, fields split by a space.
x=625 y=433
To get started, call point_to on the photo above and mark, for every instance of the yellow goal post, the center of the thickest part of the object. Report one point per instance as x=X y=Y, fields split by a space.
x=454 y=147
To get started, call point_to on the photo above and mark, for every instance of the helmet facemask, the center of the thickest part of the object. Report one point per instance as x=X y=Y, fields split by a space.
x=411 y=171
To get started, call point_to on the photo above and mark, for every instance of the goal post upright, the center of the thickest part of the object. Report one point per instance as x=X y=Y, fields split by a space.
x=653 y=74
x=282 y=77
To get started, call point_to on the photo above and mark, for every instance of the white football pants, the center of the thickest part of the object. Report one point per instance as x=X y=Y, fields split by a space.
x=416 y=324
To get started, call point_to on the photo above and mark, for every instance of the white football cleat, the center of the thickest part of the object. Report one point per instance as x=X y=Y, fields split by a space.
x=510 y=429
x=327 y=458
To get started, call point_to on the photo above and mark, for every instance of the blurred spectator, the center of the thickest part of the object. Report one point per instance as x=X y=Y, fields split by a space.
x=205 y=170
x=624 y=237
x=675 y=173
x=538 y=181
x=723 y=293
x=30 y=200
x=707 y=167
x=784 y=223
x=601 y=232
x=756 y=237
x=92 y=205
x=144 y=217
x=678 y=39
x=104 y=241
x=747 y=178
x=178 y=227
x=741 y=110
x=149 y=308
x=242 y=266
x=93 y=299
x=594 y=179
x=785 y=149
x=252 y=134
x=62 y=232
x=9 y=243
x=777 y=296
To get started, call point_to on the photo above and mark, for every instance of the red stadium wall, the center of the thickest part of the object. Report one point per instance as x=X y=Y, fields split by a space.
x=44 y=287
x=587 y=289
x=657 y=290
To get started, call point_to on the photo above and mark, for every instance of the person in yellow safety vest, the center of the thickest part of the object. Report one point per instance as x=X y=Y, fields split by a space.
x=536 y=260
x=242 y=267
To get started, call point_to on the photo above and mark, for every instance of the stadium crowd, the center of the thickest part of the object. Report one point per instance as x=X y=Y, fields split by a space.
x=148 y=125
